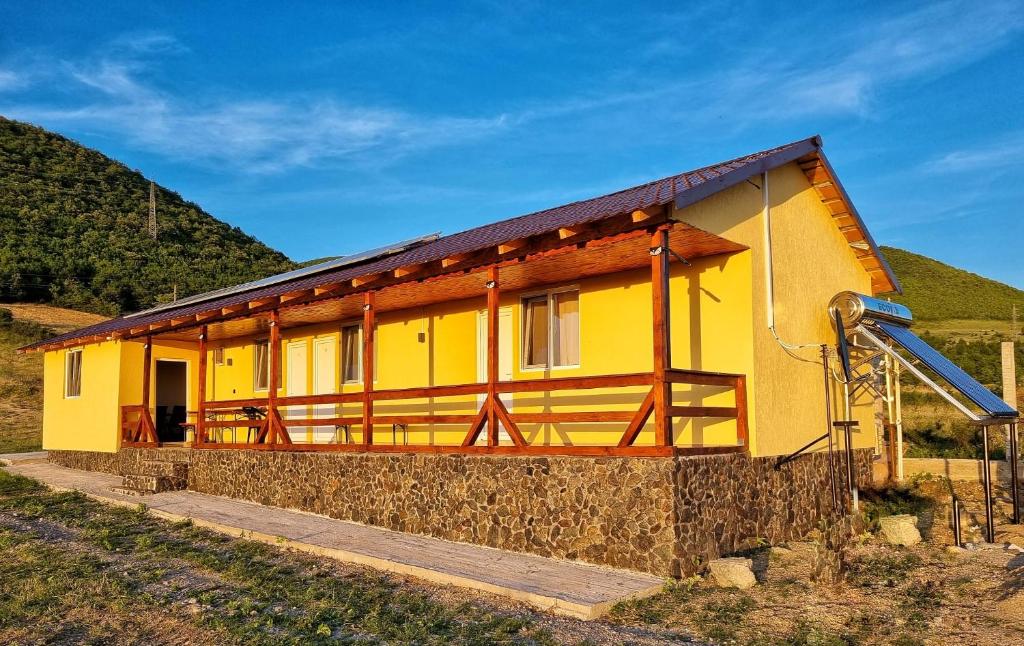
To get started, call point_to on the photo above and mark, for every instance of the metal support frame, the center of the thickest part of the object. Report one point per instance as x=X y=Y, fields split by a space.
x=786 y=459
x=900 y=359
x=847 y=426
x=986 y=472
x=957 y=540
x=1014 y=484
x=828 y=425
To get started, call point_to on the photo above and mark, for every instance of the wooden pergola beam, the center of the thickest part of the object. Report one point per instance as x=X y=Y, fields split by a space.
x=512 y=245
x=455 y=259
x=263 y=302
x=409 y=270
x=297 y=295
x=362 y=281
x=326 y=290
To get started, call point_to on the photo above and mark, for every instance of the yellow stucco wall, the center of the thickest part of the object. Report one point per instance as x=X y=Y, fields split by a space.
x=812 y=262
x=718 y=324
x=88 y=422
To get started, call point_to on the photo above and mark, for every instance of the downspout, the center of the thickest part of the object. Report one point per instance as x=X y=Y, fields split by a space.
x=769 y=274
x=769 y=271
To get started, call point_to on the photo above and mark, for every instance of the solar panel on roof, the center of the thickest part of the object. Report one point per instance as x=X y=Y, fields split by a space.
x=320 y=267
x=957 y=378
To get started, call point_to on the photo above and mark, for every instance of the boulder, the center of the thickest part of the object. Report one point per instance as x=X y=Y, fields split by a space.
x=733 y=573
x=900 y=529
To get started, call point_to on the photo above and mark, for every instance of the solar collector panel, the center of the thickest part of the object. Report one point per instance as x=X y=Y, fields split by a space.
x=949 y=371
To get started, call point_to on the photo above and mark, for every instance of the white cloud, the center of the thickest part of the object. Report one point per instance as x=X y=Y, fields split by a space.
x=9 y=80
x=991 y=157
x=265 y=135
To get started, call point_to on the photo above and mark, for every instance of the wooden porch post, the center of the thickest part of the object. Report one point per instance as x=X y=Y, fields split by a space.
x=200 y=432
x=147 y=430
x=662 y=335
x=273 y=418
x=492 y=356
x=368 y=323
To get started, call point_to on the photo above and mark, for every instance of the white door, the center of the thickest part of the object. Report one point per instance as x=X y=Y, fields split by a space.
x=505 y=342
x=325 y=371
x=297 y=385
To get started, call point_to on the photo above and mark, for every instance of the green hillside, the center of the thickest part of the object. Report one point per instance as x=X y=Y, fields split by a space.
x=935 y=291
x=73 y=232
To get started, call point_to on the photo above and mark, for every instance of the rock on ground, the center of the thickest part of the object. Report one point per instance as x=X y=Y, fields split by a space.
x=733 y=573
x=900 y=529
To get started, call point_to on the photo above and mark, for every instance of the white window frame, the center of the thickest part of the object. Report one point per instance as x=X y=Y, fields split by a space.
x=218 y=356
x=359 y=352
x=255 y=365
x=67 y=373
x=550 y=293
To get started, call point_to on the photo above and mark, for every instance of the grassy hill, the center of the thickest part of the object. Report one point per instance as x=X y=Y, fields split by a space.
x=935 y=291
x=73 y=232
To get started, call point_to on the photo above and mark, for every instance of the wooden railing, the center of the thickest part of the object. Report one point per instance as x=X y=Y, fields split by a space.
x=248 y=423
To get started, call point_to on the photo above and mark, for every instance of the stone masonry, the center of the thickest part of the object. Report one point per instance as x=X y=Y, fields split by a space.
x=665 y=516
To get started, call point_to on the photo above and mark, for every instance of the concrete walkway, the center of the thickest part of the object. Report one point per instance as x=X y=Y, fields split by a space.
x=563 y=587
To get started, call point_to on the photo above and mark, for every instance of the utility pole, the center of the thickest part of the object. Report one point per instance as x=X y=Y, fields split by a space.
x=152 y=210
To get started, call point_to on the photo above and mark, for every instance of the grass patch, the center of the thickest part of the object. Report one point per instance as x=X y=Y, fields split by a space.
x=260 y=595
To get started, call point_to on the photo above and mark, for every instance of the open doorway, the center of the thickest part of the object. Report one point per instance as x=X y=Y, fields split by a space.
x=171 y=400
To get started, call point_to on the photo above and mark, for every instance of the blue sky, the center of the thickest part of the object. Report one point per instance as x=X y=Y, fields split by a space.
x=371 y=122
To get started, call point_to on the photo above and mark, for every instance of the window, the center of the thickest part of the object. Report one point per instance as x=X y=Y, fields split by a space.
x=551 y=329
x=352 y=354
x=218 y=356
x=73 y=373
x=261 y=365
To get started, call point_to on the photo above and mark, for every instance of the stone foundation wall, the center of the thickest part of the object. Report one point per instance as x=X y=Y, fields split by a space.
x=658 y=515
x=123 y=462
x=731 y=503
x=612 y=511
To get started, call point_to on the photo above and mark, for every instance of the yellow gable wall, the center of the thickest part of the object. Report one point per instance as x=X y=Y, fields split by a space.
x=812 y=262
x=88 y=422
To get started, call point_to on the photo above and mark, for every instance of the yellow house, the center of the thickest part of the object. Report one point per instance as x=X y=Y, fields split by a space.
x=684 y=317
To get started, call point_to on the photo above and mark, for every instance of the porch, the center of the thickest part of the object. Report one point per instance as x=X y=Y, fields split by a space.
x=631 y=414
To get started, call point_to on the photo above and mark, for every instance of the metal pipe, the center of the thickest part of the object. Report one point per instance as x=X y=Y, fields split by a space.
x=854 y=501
x=990 y=530
x=1014 y=485
x=956 y=523
x=828 y=424
x=899 y=427
x=769 y=278
x=848 y=412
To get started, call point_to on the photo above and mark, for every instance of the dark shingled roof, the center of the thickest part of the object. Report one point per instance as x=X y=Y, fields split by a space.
x=684 y=188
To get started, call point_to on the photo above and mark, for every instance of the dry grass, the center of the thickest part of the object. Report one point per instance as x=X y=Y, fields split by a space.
x=58 y=318
x=21 y=375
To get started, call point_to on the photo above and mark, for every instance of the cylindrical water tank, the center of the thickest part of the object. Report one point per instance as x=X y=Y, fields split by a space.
x=854 y=307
